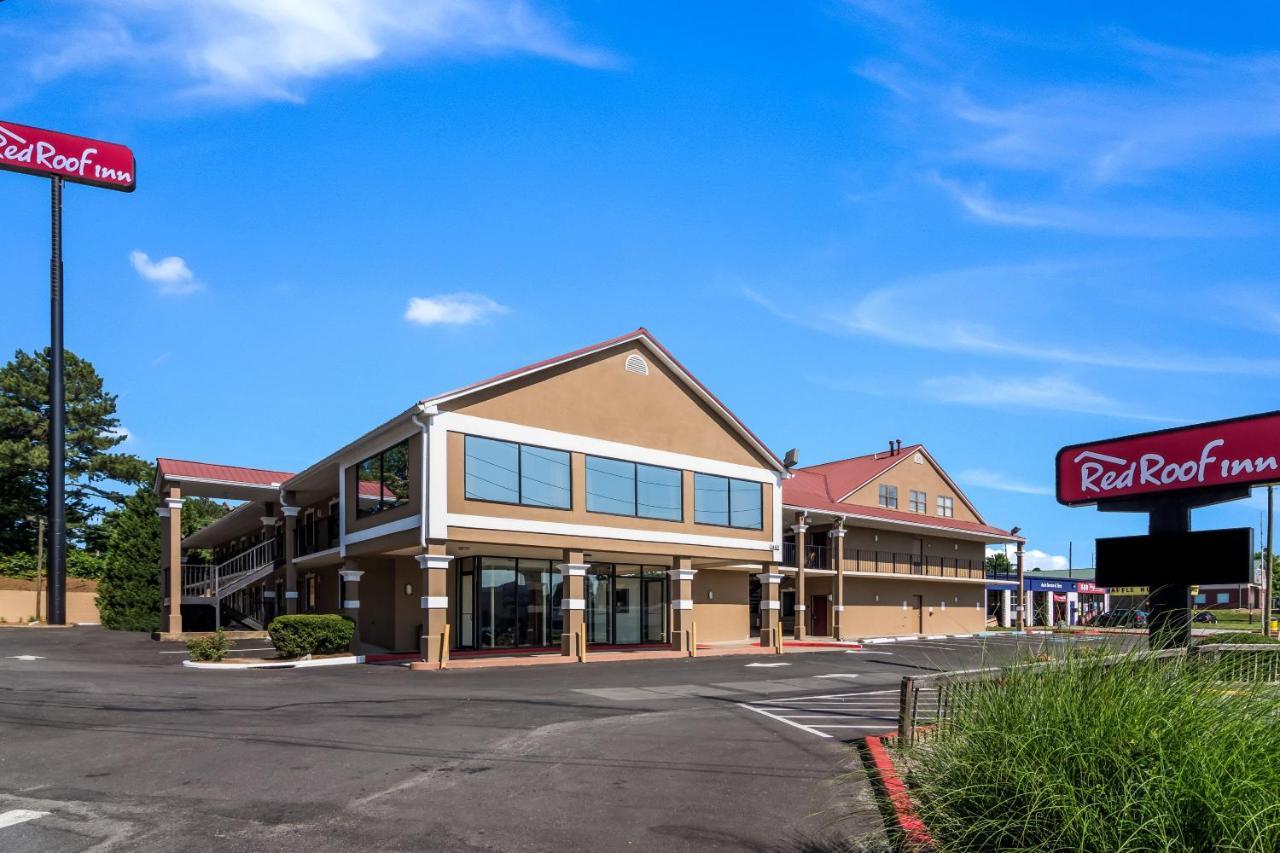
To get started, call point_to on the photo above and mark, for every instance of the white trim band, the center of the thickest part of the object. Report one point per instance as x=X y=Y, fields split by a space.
x=766 y=604
x=351 y=604
x=839 y=608
x=293 y=593
x=290 y=511
x=526 y=525
x=801 y=608
x=352 y=575
x=434 y=602
x=267 y=520
x=573 y=570
x=682 y=604
x=411 y=522
x=269 y=594
x=681 y=574
x=770 y=577
x=573 y=604
x=433 y=561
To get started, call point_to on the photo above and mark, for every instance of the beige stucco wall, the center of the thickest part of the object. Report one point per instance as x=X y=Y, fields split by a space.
x=19 y=605
x=724 y=616
x=908 y=475
x=596 y=397
x=875 y=607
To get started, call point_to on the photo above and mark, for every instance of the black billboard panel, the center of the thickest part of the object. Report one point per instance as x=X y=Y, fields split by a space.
x=1184 y=559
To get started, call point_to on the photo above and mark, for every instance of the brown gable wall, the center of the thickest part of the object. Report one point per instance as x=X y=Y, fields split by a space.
x=908 y=475
x=596 y=397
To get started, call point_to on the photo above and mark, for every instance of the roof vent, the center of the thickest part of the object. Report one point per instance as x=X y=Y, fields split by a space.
x=636 y=364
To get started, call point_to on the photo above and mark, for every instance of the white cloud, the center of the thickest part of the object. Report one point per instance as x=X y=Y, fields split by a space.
x=1032 y=558
x=171 y=275
x=987 y=479
x=122 y=433
x=1057 y=393
x=249 y=49
x=452 y=309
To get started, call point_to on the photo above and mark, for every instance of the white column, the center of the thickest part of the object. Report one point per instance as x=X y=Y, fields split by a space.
x=1073 y=608
x=1006 y=605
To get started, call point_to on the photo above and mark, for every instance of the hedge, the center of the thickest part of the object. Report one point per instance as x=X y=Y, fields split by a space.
x=311 y=634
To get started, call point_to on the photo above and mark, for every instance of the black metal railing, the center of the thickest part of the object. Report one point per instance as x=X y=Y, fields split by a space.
x=815 y=556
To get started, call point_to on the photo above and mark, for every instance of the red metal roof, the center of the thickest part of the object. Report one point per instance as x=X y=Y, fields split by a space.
x=811 y=488
x=183 y=468
x=847 y=475
x=639 y=334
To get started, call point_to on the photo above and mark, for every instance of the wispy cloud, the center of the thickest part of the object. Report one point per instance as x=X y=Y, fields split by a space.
x=250 y=50
x=1033 y=558
x=1056 y=393
x=452 y=309
x=963 y=310
x=984 y=478
x=1061 y=152
x=171 y=275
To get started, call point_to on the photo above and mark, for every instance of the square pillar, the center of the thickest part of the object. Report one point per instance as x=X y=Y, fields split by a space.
x=351 y=600
x=573 y=603
x=290 y=554
x=435 y=605
x=171 y=554
x=835 y=538
x=770 y=604
x=1073 y=608
x=1006 y=605
x=681 y=575
x=802 y=610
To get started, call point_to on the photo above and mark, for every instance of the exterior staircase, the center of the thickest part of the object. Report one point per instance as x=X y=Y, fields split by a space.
x=206 y=584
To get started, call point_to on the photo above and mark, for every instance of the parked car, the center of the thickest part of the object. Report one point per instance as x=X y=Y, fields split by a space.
x=1123 y=618
x=1205 y=616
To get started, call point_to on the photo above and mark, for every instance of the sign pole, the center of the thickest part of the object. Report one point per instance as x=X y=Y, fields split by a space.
x=57 y=614
x=1267 y=580
x=1170 y=625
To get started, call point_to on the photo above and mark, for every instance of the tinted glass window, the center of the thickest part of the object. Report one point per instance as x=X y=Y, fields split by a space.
x=659 y=493
x=492 y=470
x=710 y=499
x=744 y=504
x=544 y=477
x=611 y=486
x=382 y=483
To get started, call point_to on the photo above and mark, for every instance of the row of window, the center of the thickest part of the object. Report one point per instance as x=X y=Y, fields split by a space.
x=917 y=501
x=512 y=473
x=1222 y=598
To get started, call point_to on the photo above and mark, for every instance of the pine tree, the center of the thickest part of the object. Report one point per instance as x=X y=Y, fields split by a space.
x=129 y=593
x=93 y=431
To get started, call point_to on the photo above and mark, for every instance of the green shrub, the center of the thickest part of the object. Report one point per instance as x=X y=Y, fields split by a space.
x=311 y=634
x=213 y=648
x=1080 y=756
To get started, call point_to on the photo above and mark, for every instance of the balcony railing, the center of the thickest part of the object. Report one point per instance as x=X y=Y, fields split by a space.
x=315 y=535
x=896 y=563
x=815 y=556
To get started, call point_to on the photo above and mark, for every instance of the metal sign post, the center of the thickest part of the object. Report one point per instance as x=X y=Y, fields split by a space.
x=61 y=157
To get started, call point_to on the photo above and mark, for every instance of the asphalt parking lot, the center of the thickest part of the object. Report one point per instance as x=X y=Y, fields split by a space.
x=107 y=743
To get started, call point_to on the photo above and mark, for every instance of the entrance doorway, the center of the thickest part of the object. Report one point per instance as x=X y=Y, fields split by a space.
x=917 y=613
x=818 y=607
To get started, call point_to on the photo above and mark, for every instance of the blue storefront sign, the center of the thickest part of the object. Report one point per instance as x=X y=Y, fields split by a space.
x=1044 y=585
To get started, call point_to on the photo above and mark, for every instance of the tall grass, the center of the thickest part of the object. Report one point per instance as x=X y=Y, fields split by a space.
x=1136 y=756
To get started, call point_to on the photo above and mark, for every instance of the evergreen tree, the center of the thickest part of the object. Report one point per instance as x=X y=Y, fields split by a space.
x=129 y=593
x=93 y=432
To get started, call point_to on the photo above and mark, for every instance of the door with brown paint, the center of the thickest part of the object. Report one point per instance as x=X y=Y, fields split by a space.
x=917 y=613
x=818 y=609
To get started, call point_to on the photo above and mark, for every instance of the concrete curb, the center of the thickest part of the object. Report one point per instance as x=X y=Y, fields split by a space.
x=915 y=835
x=345 y=660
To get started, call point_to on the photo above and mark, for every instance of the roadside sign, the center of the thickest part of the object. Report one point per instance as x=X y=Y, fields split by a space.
x=1232 y=453
x=50 y=154
x=1202 y=557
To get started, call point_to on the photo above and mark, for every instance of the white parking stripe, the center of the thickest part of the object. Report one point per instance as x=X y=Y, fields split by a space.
x=16 y=816
x=808 y=729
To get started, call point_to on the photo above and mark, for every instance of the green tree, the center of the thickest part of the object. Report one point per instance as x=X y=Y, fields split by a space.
x=94 y=467
x=129 y=596
x=998 y=564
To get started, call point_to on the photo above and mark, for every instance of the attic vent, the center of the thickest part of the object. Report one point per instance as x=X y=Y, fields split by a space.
x=919 y=460
x=636 y=364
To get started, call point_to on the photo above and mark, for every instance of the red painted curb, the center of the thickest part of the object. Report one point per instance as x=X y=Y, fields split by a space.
x=917 y=836
x=820 y=645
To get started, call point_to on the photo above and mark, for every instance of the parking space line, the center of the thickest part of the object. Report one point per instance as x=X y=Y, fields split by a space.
x=13 y=817
x=804 y=728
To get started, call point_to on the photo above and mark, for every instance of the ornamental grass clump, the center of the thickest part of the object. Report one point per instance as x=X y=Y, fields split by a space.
x=1138 y=755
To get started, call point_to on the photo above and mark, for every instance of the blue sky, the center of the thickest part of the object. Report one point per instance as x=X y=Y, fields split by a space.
x=994 y=231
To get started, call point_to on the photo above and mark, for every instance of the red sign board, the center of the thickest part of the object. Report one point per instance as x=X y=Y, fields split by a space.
x=1237 y=452
x=48 y=154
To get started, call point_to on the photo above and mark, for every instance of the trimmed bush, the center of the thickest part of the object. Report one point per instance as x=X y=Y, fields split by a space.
x=213 y=648
x=311 y=634
x=1134 y=756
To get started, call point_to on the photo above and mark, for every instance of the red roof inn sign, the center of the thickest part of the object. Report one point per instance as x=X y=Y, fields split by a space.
x=1234 y=453
x=50 y=154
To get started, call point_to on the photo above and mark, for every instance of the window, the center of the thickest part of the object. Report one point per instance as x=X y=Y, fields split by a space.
x=1200 y=598
x=888 y=496
x=506 y=472
x=727 y=502
x=946 y=506
x=1224 y=597
x=919 y=501
x=382 y=481
x=630 y=488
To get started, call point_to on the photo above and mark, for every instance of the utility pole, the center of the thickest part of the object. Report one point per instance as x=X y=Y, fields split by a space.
x=39 y=561
x=1022 y=596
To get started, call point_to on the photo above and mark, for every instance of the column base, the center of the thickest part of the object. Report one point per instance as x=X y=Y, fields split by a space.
x=175 y=623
